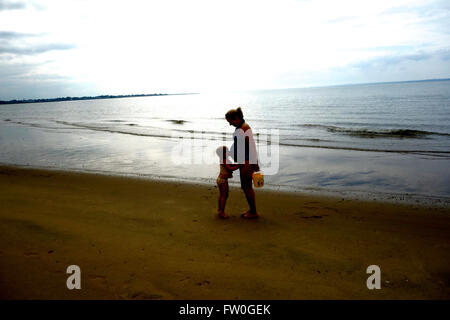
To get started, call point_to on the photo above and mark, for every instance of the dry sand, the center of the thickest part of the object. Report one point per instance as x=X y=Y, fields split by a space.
x=140 y=239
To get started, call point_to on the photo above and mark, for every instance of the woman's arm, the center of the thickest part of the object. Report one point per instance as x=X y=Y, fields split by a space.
x=251 y=147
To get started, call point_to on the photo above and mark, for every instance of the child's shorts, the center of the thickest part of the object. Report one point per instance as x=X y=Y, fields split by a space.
x=221 y=181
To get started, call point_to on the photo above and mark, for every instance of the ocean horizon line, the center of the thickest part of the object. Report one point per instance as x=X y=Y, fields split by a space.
x=107 y=96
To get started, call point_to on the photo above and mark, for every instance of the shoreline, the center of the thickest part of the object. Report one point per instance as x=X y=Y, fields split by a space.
x=146 y=239
x=400 y=178
x=427 y=201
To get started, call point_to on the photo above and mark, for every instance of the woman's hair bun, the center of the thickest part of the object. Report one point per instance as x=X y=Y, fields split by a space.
x=239 y=113
x=235 y=113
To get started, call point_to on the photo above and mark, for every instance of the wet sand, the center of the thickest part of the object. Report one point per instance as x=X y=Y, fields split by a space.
x=142 y=239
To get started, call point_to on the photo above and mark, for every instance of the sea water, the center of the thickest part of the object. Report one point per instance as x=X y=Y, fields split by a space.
x=389 y=138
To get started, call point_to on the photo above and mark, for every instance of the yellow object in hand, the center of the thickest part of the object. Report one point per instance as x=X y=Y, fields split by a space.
x=258 y=179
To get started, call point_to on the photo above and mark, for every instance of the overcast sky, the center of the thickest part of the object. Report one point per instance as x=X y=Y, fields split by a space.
x=74 y=48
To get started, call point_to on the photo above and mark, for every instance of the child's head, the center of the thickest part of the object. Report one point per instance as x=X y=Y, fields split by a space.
x=222 y=152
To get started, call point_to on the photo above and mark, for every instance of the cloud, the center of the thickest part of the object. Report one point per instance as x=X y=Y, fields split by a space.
x=444 y=54
x=34 y=50
x=16 y=70
x=397 y=59
x=11 y=35
x=12 y=42
x=22 y=68
x=27 y=80
x=395 y=48
x=12 y=5
x=429 y=64
x=14 y=74
x=431 y=15
x=396 y=66
x=391 y=60
x=268 y=44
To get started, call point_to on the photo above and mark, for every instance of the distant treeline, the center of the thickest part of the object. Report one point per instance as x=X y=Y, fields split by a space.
x=86 y=98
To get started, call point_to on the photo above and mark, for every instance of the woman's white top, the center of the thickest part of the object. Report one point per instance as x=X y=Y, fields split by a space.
x=244 y=147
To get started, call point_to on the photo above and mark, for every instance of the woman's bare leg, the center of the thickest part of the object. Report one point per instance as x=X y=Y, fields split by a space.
x=250 y=196
x=246 y=184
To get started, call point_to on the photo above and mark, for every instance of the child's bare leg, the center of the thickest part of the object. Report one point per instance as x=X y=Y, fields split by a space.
x=223 y=196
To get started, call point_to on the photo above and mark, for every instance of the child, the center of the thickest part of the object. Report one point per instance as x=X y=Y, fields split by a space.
x=226 y=172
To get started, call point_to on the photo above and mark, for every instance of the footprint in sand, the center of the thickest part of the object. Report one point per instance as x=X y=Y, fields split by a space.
x=314 y=217
x=31 y=254
x=98 y=278
x=141 y=295
x=203 y=283
x=184 y=279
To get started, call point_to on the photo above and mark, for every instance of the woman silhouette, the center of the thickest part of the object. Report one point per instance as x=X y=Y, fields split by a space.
x=244 y=153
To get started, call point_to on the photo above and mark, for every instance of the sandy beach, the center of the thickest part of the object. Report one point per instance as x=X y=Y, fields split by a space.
x=144 y=239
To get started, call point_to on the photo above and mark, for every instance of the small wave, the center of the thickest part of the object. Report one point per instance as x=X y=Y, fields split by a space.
x=287 y=138
x=216 y=135
x=36 y=125
x=436 y=153
x=175 y=121
x=381 y=133
x=113 y=131
x=441 y=154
